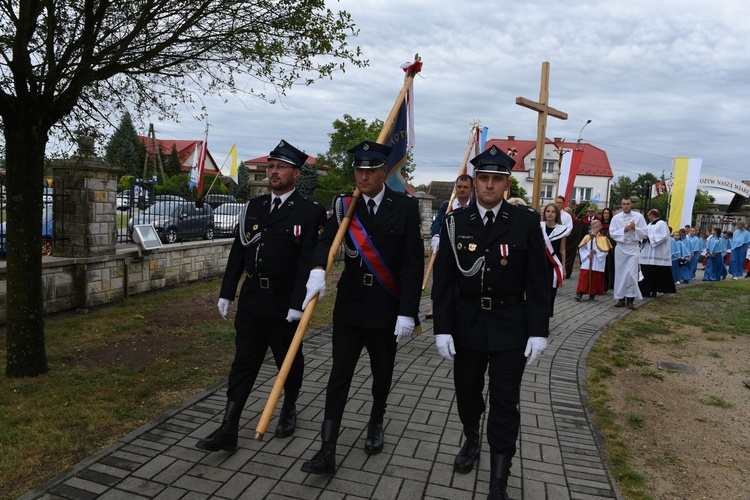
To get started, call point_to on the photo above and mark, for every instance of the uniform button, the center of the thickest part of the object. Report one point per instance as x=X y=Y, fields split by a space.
x=486 y=250
x=489 y=288
x=488 y=269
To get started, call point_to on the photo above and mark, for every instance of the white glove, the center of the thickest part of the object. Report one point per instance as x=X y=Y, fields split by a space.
x=435 y=243
x=404 y=327
x=316 y=285
x=223 y=306
x=535 y=346
x=445 y=347
x=293 y=315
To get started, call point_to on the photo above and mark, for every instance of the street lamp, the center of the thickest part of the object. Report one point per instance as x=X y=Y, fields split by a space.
x=578 y=143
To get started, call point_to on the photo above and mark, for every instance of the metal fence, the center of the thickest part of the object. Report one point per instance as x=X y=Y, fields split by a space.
x=52 y=229
x=708 y=221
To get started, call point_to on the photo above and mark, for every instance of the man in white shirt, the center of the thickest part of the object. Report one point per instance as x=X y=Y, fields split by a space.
x=628 y=229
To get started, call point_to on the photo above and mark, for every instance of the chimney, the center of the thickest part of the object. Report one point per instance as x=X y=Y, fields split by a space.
x=557 y=140
x=511 y=137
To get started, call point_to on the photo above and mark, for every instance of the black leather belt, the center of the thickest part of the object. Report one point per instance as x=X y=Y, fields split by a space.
x=267 y=283
x=496 y=302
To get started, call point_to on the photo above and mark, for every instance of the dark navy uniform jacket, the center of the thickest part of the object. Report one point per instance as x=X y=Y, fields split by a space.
x=277 y=264
x=396 y=234
x=471 y=307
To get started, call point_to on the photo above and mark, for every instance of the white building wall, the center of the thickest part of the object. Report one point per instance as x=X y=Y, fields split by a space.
x=550 y=179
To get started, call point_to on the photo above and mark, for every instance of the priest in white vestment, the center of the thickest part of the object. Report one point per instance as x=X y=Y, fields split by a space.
x=628 y=229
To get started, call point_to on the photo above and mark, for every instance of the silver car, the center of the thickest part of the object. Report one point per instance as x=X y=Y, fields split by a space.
x=227 y=218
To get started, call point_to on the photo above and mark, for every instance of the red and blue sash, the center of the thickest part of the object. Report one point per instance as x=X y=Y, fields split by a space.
x=372 y=259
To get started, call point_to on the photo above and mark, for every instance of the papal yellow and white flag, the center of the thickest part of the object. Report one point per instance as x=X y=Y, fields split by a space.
x=232 y=170
x=685 y=175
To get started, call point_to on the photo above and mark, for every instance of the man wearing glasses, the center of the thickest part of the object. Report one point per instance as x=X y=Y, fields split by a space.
x=590 y=216
x=272 y=249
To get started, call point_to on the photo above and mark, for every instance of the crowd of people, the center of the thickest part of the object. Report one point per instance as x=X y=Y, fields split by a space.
x=497 y=269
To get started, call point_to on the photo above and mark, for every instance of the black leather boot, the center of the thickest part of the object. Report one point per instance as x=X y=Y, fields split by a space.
x=374 y=442
x=324 y=461
x=225 y=437
x=287 y=420
x=499 y=474
x=469 y=453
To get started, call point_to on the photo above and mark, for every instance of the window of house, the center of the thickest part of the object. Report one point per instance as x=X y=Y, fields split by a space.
x=582 y=193
x=546 y=191
x=548 y=166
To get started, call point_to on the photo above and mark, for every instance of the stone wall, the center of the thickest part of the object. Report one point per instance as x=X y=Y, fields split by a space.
x=81 y=283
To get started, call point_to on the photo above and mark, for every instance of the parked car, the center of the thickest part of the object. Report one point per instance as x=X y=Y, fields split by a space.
x=177 y=220
x=47 y=231
x=218 y=199
x=227 y=218
x=126 y=198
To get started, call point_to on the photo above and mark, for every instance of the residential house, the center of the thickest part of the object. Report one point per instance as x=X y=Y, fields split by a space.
x=187 y=151
x=594 y=174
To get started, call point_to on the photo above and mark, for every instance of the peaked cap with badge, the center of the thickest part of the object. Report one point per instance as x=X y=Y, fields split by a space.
x=370 y=154
x=288 y=154
x=493 y=160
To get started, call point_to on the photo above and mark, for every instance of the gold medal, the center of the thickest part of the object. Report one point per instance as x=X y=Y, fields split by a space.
x=472 y=247
x=248 y=235
x=503 y=262
x=255 y=227
x=459 y=246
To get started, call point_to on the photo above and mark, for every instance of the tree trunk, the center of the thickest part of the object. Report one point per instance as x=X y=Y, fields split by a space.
x=25 y=147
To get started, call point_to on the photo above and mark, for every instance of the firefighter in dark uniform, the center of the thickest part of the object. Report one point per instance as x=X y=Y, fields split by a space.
x=272 y=249
x=491 y=298
x=378 y=294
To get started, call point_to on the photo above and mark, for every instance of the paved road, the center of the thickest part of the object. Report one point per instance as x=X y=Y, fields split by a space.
x=558 y=458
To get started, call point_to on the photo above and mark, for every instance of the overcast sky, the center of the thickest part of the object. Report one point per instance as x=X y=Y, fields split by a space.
x=658 y=79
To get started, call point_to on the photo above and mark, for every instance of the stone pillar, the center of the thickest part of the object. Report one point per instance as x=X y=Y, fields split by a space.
x=425 y=216
x=85 y=220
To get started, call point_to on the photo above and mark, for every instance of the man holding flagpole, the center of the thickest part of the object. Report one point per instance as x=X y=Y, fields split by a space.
x=272 y=251
x=378 y=294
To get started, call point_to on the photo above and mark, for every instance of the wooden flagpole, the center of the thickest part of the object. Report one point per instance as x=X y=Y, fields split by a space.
x=472 y=143
x=273 y=398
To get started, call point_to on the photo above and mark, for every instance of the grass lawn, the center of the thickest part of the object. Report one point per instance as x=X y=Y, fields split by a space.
x=111 y=371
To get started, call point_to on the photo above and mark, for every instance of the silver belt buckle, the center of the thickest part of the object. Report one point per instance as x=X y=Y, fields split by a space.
x=367 y=279
x=265 y=283
x=486 y=303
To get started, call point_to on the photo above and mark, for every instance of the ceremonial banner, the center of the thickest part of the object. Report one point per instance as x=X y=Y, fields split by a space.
x=568 y=173
x=397 y=159
x=685 y=175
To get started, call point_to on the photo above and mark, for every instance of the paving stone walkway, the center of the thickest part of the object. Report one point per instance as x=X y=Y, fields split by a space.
x=558 y=455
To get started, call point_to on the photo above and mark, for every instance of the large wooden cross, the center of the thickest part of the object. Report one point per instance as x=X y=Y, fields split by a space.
x=543 y=109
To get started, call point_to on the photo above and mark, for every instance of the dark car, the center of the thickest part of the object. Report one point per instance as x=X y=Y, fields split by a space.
x=217 y=199
x=177 y=220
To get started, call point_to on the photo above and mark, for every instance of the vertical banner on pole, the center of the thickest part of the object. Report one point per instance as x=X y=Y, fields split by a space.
x=685 y=174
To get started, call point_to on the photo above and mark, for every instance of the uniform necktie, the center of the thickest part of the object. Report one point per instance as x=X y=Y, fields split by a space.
x=276 y=204
x=371 y=204
x=490 y=221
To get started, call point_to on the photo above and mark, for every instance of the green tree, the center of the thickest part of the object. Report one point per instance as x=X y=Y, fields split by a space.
x=308 y=180
x=347 y=133
x=124 y=148
x=621 y=188
x=240 y=189
x=69 y=63
x=172 y=165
